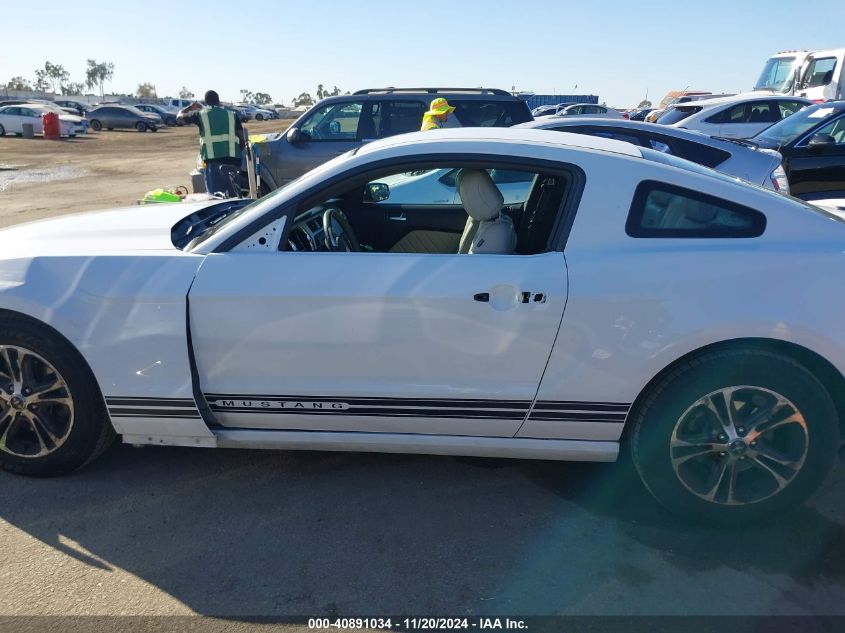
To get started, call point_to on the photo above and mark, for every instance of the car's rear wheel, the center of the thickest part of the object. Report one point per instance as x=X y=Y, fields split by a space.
x=52 y=416
x=96 y=125
x=731 y=436
x=2 y=131
x=171 y=121
x=141 y=126
x=259 y=117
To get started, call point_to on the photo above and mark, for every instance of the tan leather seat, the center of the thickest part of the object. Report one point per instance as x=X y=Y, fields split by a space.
x=487 y=229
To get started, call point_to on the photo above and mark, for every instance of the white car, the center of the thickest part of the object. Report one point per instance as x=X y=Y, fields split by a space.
x=591 y=110
x=740 y=116
x=635 y=301
x=256 y=113
x=13 y=118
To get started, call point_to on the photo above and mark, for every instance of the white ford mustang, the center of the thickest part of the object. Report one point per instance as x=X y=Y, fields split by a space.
x=632 y=301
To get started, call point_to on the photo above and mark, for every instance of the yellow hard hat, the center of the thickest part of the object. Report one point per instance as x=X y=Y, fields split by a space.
x=440 y=106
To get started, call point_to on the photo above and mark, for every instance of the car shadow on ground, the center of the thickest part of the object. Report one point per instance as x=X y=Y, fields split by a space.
x=239 y=533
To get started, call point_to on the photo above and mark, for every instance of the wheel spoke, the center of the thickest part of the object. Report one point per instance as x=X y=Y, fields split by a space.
x=732 y=482
x=714 y=482
x=39 y=424
x=14 y=370
x=727 y=423
x=767 y=426
x=768 y=469
x=35 y=428
x=4 y=437
x=691 y=450
x=774 y=456
x=64 y=400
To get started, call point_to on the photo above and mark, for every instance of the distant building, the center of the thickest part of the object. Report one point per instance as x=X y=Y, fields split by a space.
x=535 y=100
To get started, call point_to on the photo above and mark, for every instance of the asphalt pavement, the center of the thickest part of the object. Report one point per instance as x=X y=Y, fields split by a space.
x=163 y=531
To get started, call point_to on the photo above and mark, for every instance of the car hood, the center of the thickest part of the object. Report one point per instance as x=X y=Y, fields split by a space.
x=114 y=231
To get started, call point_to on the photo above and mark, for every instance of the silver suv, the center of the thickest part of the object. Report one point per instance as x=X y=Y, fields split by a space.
x=742 y=158
x=339 y=124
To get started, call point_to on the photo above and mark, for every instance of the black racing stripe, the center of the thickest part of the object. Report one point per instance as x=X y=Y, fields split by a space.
x=168 y=416
x=379 y=413
x=421 y=402
x=151 y=402
x=580 y=415
x=582 y=406
x=151 y=412
x=578 y=420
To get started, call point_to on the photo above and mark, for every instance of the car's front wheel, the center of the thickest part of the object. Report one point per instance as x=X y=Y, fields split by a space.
x=141 y=126
x=52 y=416
x=731 y=436
x=96 y=125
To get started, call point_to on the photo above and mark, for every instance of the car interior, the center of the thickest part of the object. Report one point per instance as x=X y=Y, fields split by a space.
x=362 y=219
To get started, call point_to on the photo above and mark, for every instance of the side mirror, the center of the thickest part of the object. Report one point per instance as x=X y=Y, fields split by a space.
x=294 y=136
x=820 y=141
x=376 y=192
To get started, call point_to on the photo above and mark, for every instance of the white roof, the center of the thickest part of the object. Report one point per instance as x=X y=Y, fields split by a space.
x=740 y=98
x=527 y=136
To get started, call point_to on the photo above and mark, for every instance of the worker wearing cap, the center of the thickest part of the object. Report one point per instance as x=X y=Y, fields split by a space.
x=221 y=140
x=437 y=115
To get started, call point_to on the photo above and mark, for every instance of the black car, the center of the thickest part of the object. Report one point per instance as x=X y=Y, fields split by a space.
x=167 y=117
x=812 y=143
x=640 y=114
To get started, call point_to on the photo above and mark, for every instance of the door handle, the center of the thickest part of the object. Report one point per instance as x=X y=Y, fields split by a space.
x=397 y=217
x=483 y=297
x=524 y=297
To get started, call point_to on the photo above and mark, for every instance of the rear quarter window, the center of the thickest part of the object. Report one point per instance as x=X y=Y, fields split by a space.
x=668 y=211
x=676 y=115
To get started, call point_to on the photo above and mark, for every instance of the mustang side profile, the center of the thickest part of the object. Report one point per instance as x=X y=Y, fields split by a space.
x=632 y=300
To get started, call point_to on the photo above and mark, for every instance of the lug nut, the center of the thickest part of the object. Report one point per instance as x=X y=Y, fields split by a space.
x=741 y=430
x=754 y=443
x=33 y=407
x=722 y=454
x=27 y=391
x=722 y=437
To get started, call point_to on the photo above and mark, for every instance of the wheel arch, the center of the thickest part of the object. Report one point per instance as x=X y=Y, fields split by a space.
x=824 y=371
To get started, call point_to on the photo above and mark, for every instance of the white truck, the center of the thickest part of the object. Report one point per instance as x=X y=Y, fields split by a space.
x=815 y=75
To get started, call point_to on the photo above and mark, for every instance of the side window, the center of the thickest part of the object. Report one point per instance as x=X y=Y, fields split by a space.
x=660 y=146
x=788 y=108
x=478 y=113
x=619 y=136
x=336 y=122
x=13 y=111
x=763 y=112
x=28 y=112
x=401 y=117
x=836 y=129
x=736 y=114
x=662 y=210
x=819 y=72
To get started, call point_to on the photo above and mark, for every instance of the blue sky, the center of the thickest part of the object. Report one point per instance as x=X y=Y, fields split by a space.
x=613 y=49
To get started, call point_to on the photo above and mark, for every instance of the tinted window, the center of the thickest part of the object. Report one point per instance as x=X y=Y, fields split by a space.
x=477 y=113
x=336 y=122
x=401 y=117
x=619 y=136
x=735 y=114
x=661 y=210
x=836 y=129
x=675 y=115
x=819 y=72
x=796 y=125
x=788 y=108
x=12 y=110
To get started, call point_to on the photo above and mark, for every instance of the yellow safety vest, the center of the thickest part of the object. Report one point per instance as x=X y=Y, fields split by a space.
x=430 y=123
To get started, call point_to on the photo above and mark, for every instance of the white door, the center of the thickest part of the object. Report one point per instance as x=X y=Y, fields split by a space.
x=375 y=342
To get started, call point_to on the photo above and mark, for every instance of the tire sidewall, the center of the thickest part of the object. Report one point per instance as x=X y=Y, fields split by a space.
x=96 y=125
x=656 y=422
x=90 y=414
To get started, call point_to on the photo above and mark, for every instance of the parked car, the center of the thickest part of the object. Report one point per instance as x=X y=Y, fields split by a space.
x=338 y=124
x=547 y=110
x=813 y=146
x=13 y=118
x=168 y=117
x=122 y=117
x=257 y=113
x=555 y=331
x=591 y=110
x=78 y=107
x=736 y=158
x=639 y=114
x=740 y=116
x=180 y=104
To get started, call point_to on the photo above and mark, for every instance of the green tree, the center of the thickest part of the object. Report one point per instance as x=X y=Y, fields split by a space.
x=184 y=93
x=73 y=88
x=262 y=98
x=18 y=83
x=247 y=96
x=145 y=90
x=98 y=74
x=52 y=76
x=303 y=99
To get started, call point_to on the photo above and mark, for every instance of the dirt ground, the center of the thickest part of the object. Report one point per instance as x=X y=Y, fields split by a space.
x=40 y=179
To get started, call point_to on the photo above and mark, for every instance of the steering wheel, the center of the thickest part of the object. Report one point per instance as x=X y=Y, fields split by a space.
x=345 y=241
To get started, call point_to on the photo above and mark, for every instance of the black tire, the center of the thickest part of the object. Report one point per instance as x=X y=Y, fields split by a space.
x=259 y=117
x=154 y=129
x=95 y=125
x=171 y=121
x=141 y=126
x=2 y=131
x=110 y=129
x=668 y=407
x=90 y=433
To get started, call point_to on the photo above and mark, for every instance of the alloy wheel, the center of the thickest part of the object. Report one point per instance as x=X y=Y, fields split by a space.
x=36 y=407
x=739 y=445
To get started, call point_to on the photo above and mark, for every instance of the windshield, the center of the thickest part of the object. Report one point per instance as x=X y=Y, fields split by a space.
x=790 y=128
x=677 y=114
x=777 y=75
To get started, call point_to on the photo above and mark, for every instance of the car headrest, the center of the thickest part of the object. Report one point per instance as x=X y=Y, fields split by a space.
x=481 y=198
x=699 y=212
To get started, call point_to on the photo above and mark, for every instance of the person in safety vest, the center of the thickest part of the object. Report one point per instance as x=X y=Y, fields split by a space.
x=437 y=115
x=221 y=141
